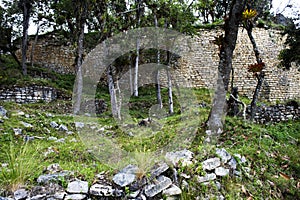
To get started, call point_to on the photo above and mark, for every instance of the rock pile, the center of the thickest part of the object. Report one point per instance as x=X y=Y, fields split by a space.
x=161 y=182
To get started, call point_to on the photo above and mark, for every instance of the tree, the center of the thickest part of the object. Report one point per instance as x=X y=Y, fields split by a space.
x=217 y=113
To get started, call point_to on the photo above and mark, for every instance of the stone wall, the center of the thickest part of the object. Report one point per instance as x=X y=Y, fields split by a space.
x=28 y=94
x=199 y=68
x=277 y=113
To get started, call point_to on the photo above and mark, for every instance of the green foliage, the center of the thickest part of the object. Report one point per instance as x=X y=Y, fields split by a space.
x=292 y=52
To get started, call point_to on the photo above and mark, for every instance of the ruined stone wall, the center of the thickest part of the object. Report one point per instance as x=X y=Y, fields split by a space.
x=199 y=68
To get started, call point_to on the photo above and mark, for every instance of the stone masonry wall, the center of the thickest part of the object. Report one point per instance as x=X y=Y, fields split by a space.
x=28 y=94
x=199 y=68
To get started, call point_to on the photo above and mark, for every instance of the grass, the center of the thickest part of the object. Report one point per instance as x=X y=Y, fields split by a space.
x=272 y=151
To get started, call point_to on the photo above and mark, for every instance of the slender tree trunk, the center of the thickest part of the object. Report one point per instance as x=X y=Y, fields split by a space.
x=260 y=76
x=118 y=100
x=112 y=92
x=218 y=111
x=27 y=7
x=170 y=92
x=136 y=74
x=130 y=76
x=79 y=60
x=157 y=75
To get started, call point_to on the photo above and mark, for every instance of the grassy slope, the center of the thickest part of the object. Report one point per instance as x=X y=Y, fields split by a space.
x=272 y=150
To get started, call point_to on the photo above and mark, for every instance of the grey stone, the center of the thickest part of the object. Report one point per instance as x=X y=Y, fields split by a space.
x=221 y=171
x=17 y=131
x=123 y=179
x=162 y=183
x=185 y=156
x=225 y=156
x=62 y=128
x=79 y=124
x=61 y=140
x=101 y=190
x=20 y=194
x=207 y=177
x=28 y=138
x=75 y=197
x=38 y=197
x=159 y=169
x=211 y=163
x=26 y=125
x=172 y=191
x=134 y=194
x=53 y=168
x=59 y=195
x=46 y=178
x=3 y=112
x=52 y=138
x=53 y=124
x=232 y=163
x=78 y=187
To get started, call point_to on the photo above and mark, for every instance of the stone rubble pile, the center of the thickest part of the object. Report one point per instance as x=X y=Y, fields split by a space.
x=161 y=182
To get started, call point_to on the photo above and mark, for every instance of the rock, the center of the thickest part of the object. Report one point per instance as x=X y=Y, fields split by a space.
x=75 y=197
x=211 y=163
x=28 y=138
x=61 y=140
x=3 y=111
x=172 y=191
x=123 y=179
x=101 y=190
x=134 y=194
x=46 y=178
x=53 y=124
x=20 y=194
x=126 y=176
x=52 y=138
x=241 y=159
x=221 y=171
x=62 y=128
x=39 y=197
x=232 y=163
x=159 y=169
x=17 y=131
x=207 y=177
x=185 y=156
x=78 y=187
x=59 y=195
x=79 y=124
x=53 y=168
x=162 y=183
x=225 y=156
x=49 y=115
x=26 y=125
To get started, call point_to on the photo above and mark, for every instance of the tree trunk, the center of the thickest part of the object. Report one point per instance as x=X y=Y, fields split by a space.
x=170 y=92
x=34 y=44
x=157 y=80
x=136 y=74
x=27 y=7
x=79 y=60
x=112 y=92
x=218 y=111
x=260 y=76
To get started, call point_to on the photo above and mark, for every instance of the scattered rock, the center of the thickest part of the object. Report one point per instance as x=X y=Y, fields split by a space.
x=3 y=111
x=47 y=178
x=26 y=125
x=62 y=128
x=159 y=169
x=225 y=156
x=39 y=197
x=17 y=131
x=54 y=168
x=52 y=138
x=126 y=176
x=211 y=163
x=20 y=194
x=101 y=190
x=172 y=191
x=221 y=171
x=207 y=177
x=78 y=187
x=53 y=124
x=79 y=124
x=162 y=183
x=61 y=140
x=185 y=156
x=232 y=163
x=75 y=197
